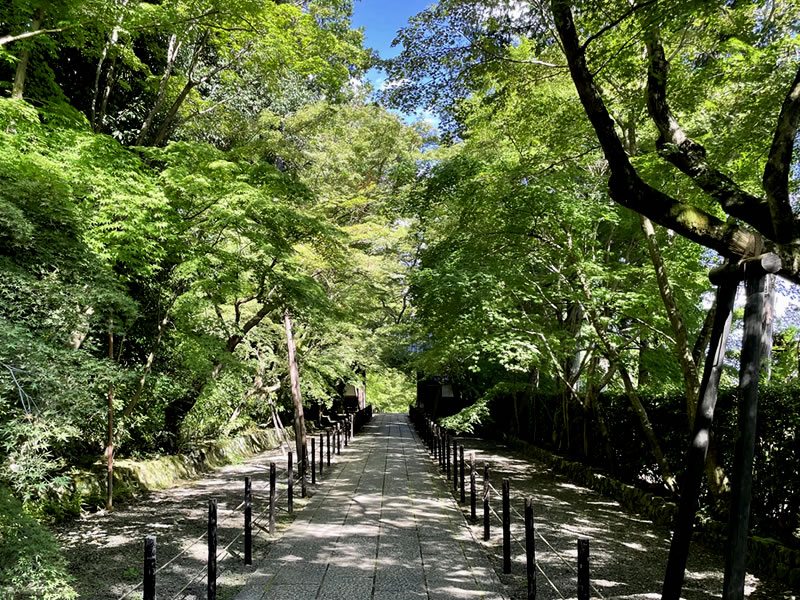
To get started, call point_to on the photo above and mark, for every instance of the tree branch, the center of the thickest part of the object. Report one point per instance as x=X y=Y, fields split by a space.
x=690 y=156
x=776 y=172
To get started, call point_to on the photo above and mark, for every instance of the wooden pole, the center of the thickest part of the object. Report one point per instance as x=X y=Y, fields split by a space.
x=313 y=462
x=290 y=484
x=698 y=446
x=149 y=584
x=506 y=527
x=328 y=440
x=749 y=371
x=583 y=569
x=303 y=469
x=272 y=494
x=486 y=513
x=212 y=550
x=248 y=525
x=447 y=452
x=530 y=549
x=463 y=495
x=321 y=453
x=472 y=495
x=455 y=465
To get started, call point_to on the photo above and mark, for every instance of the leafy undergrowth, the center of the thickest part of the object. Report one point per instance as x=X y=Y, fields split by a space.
x=31 y=564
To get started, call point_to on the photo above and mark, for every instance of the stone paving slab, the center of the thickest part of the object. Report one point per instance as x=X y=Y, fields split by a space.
x=384 y=528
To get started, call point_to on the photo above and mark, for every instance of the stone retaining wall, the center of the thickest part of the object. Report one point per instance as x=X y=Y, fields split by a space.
x=766 y=556
x=132 y=477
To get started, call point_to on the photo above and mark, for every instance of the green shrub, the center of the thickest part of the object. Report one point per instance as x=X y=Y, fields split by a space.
x=31 y=564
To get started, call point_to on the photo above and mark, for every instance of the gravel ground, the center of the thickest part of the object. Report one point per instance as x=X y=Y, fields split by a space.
x=628 y=552
x=105 y=549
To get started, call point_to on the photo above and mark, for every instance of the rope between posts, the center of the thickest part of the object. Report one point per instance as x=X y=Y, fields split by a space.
x=203 y=572
x=199 y=538
x=524 y=550
x=549 y=545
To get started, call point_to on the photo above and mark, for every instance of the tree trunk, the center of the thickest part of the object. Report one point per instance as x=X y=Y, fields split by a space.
x=647 y=428
x=684 y=351
x=297 y=399
x=109 y=44
x=24 y=59
x=173 y=49
x=109 y=453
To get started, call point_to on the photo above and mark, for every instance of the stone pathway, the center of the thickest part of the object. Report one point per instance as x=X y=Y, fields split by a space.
x=386 y=528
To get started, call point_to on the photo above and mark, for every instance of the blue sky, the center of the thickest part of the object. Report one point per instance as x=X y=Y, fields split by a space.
x=381 y=19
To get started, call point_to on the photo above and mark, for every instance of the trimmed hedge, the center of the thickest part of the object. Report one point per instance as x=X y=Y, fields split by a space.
x=776 y=478
x=766 y=557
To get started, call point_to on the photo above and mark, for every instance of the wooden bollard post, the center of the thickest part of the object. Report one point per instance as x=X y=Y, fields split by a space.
x=472 y=495
x=447 y=455
x=211 y=583
x=506 y=527
x=486 y=515
x=248 y=521
x=583 y=569
x=352 y=426
x=530 y=549
x=328 y=436
x=346 y=428
x=321 y=453
x=455 y=465
x=313 y=461
x=272 y=494
x=290 y=484
x=435 y=444
x=338 y=439
x=303 y=469
x=442 y=462
x=149 y=583
x=461 y=473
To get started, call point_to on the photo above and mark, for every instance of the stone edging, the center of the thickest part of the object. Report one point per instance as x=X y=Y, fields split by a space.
x=766 y=556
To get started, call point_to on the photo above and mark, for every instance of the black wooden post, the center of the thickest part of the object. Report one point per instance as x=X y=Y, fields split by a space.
x=338 y=439
x=583 y=569
x=313 y=461
x=506 y=527
x=455 y=465
x=486 y=515
x=328 y=440
x=530 y=549
x=272 y=494
x=248 y=524
x=149 y=584
x=346 y=428
x=447 y=455
x=290 y=484
x=435 y=447
x=321 y=453
x=749 y=371
x=461 y=452
x=212 y=550
x=698 y=446
x=472 y=495
x=303 y=465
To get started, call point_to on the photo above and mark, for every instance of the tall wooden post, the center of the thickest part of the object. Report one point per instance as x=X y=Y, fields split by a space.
x=506 y=527
x=530 y=549
x=272 y=494
x=727 y=283
x=211 y=583
x=290 y=485
x=248 y=515
x=149 y=568
x=755 y=272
